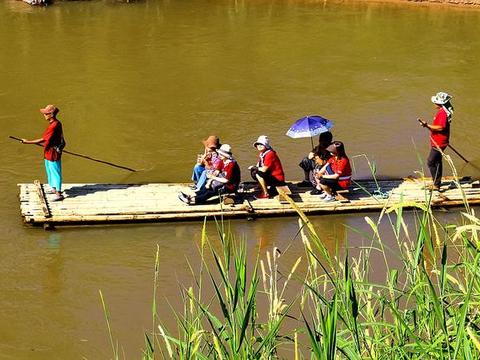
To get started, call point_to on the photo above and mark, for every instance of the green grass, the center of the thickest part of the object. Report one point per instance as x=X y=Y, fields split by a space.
x=426 y=308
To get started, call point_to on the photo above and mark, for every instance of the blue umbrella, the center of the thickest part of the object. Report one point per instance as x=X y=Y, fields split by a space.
x=309 y=126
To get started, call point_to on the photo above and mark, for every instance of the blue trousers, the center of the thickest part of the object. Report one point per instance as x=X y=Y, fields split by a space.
x=197 y=172
x=202 y=180
x=54 y=173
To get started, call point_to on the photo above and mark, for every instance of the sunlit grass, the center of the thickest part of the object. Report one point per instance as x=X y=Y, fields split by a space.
x=425 y=308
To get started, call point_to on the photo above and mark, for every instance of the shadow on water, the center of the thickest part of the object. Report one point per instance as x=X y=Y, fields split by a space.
x=83 y=190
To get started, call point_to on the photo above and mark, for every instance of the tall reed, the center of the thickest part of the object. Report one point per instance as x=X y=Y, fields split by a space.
x=426 y=308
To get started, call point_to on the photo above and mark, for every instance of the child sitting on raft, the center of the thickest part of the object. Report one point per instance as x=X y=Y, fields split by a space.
x=206 y=162
x=341 y=172
x=226 y=180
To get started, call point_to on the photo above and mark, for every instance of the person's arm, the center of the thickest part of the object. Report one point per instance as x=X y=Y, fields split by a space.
x=36 y=141
x=333 y=176
x=267 y=162
x=216 y=178
x=431 y=127
x=328 y=176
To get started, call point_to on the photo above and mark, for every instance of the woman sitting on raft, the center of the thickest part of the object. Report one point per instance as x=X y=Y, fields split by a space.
x=225 y=181
x=206 y=162
x=320 y=159
x=268 y=172
x=308 y=163
x=341 y=172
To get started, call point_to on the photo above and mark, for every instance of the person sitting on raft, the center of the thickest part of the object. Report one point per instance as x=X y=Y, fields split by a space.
x=308 y=163
x=226 y=181
x=269 y=171
x=341 y=176
x=208 y=161
x=321 y=159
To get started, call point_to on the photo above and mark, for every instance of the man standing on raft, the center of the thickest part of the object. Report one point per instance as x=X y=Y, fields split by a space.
x=53 y=143
x=439 y=136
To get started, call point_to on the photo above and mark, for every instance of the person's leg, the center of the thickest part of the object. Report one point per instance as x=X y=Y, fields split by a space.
x=262 y=183
x=197 y=172
x=203 y=195
x=257 y=176
x=57 y=177
x=307 y=166
x=434 y=163
x=202 y=180
x=329 y=186
x=326 y=189
x=253 y=173
x=48 y=172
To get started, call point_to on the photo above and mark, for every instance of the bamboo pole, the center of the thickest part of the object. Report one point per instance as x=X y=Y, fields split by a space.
x=86 y=157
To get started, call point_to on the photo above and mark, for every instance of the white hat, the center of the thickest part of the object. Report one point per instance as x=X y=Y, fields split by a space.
x=225 y=150
x=263 y=140
x=441 y=98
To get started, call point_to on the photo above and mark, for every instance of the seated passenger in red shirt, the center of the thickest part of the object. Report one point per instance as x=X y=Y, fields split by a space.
x=225 y=180
x=268 y=172
x=341 y=172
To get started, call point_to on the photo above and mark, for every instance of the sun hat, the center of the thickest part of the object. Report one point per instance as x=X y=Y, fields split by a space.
x=225 y=150
x=441 y=98
x=49 y=109
x=211 y=142
x=263 y=140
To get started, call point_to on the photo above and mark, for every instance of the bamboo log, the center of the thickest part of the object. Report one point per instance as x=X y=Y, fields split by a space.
x=103 y=203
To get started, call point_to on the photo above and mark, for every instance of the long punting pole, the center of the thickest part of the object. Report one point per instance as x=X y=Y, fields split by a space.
x=86 y=157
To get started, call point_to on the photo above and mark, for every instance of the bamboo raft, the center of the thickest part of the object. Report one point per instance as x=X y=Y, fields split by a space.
x=154 y=202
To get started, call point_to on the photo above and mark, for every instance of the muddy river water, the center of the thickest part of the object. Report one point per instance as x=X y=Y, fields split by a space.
x=142 y=84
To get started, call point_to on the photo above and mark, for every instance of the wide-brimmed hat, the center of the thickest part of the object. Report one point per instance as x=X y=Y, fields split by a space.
x=211 y=142
x=263 y=140
x=441 y=98
x=49 y=109
x=225 y=150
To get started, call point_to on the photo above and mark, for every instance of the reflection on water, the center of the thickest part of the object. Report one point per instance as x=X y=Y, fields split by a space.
x=142 y=84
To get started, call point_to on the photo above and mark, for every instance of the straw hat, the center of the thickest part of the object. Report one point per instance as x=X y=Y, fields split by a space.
x=49 y=109
x=211 y=142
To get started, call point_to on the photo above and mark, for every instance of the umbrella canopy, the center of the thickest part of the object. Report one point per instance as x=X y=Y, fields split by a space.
x=309 y=126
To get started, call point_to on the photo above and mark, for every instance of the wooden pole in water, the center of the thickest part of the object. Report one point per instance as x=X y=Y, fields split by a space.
x=86 y=157
x=456 y=152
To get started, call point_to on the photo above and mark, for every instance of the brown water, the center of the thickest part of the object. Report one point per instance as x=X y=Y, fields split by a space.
x=141 y=84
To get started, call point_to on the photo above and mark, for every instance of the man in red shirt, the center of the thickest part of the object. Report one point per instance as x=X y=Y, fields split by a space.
x=439 y=136
x=269 y=170
x=53 y=143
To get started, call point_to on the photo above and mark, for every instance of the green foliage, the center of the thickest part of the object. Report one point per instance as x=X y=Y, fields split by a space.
x=428 y=308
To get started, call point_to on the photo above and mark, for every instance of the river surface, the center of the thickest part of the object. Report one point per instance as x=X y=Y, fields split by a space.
x=142 y=84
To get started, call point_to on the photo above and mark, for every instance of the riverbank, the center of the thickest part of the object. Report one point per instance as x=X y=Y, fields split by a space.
x=471 y=3
x=462 y=3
